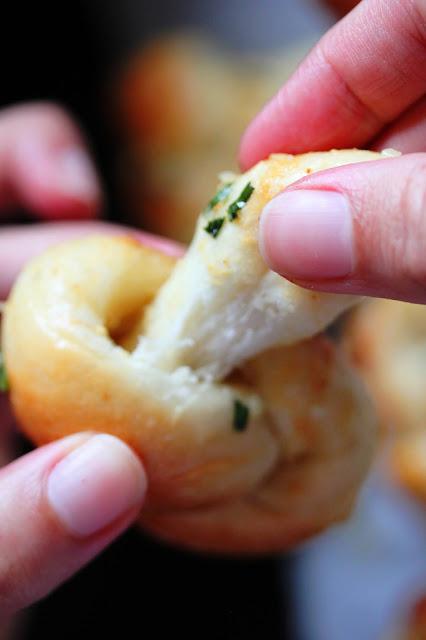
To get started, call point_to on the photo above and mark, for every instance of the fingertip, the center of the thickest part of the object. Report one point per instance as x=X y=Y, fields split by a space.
x=56 y=182
x=62 y=504
x=96 y=484
x=252 y=148
x=356 y=229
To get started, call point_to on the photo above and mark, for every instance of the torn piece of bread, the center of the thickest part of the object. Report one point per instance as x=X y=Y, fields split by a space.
x=222 y=304
x=254 y=434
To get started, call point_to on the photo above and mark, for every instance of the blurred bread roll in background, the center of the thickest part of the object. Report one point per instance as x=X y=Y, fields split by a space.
x=387 y=343
x=184 y=102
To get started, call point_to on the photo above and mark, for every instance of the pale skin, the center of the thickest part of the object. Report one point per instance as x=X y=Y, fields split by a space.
x=362 y=85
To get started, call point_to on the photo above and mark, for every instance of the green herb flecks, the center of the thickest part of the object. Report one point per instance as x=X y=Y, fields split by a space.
x=4 y=385
x=221 y=195
x=214 y=226
x=241 y=416
x=235 y=208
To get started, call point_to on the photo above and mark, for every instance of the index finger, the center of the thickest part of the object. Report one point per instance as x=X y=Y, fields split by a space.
x=361 y=75
x=18 y=244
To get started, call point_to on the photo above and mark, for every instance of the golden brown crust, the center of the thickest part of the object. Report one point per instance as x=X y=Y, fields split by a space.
x=60 y=385
x=320 y=467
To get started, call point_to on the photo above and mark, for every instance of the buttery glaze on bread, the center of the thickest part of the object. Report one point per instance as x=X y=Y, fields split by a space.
x=254 y=434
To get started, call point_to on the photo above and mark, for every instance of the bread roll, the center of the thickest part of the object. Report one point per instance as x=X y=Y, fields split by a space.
x=387 y=343
x=254 y=434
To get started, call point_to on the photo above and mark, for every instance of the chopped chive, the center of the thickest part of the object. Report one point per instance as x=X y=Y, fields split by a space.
x=214 y=226
x=240 y=202
x=241 y=416
x=221 y=195
x=246 y=192
x=4 y=385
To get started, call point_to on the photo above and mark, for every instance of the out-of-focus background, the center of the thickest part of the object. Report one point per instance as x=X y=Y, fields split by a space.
x=112 y=64
x=164 y=91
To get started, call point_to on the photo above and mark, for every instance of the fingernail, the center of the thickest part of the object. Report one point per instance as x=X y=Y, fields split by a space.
x=95 y=484
x=307 y=235
x=75 y=175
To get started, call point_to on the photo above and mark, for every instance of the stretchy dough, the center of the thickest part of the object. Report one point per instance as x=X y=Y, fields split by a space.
x=254 y=434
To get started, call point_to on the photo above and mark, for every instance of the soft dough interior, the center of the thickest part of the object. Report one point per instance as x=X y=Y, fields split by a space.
x=222 y=305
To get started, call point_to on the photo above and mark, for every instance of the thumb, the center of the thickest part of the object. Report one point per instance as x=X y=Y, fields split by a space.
x=357 y=229
x=61 y=505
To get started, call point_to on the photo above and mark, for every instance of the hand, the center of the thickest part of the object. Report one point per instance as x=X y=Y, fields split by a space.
x=361 y=228
x=63 y=503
